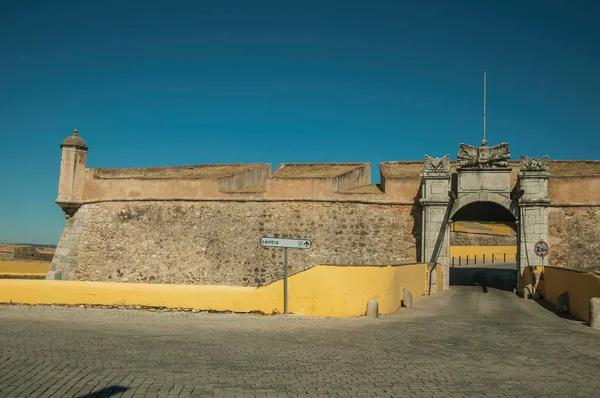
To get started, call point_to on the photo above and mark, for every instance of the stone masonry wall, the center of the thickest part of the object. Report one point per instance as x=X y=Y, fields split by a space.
x=573 y=239
x=474 y=239
x=66 y=253
x=31 y=254
x=218 y=242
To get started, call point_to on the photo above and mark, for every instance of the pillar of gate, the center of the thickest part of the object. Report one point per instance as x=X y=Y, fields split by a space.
x=533 y=205
x=435 y=201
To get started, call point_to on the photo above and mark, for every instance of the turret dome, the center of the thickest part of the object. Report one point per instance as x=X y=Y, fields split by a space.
x=74 y=141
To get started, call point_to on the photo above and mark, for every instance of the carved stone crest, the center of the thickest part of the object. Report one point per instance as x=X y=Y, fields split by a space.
x=534 y=164
x=437 y=165
x=484 y=156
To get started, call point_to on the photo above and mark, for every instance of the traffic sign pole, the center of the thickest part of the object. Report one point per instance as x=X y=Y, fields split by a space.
x=285 y=281
x=285 y=244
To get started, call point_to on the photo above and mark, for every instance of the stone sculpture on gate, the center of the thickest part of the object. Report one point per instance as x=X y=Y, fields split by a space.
x=437 y=165
x=534 y=164
x=484 y=156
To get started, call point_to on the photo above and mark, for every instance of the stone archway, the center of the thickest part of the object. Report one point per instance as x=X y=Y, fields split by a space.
x=482 y=175
x=485 y=233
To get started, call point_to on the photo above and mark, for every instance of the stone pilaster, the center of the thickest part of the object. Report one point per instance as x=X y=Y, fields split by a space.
x=435 y=202
x=533 y=205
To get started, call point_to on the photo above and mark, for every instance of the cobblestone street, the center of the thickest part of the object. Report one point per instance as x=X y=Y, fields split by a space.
x=460 y=343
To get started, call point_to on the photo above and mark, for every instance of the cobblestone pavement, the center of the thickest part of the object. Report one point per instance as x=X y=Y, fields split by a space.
x=460 y=343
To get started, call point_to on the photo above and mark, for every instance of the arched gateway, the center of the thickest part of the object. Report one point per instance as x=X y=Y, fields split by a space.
x=482 y=175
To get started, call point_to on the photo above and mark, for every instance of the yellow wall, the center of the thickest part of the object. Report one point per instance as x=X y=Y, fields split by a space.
x=582 y=286
x=472 y=251
x=326 y=291
x=24 y=268
x=474 y=227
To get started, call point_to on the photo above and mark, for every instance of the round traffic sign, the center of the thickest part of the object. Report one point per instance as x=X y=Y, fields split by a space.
x=541 y=249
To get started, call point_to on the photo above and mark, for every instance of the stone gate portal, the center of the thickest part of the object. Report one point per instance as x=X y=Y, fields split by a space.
x=482 y=175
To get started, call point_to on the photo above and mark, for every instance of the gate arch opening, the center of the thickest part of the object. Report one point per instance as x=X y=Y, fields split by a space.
x=484 y=246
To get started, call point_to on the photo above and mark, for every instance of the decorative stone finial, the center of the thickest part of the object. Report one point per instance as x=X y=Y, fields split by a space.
x=437 y=165
x=534 y=164
x=74 y=141
x=484 y=156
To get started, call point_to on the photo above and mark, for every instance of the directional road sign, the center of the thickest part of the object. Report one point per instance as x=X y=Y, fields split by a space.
x=291 y=243
x=541 y=249
x=285 y=244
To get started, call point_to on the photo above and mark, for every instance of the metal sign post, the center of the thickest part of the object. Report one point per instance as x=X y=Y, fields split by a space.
x=285 y=243
x=285 y=277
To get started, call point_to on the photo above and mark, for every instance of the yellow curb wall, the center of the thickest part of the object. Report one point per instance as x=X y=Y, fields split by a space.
x=325 y=291
x=581 y=286
x=25 y=268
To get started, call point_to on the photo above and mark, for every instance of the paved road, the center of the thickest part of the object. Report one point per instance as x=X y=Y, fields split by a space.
x=497 y=276
x=460 y=343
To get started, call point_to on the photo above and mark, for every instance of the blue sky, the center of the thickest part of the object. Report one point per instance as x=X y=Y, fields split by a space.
x=188 y=82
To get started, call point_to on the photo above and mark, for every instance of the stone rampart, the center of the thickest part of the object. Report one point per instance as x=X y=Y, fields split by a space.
x=6 y=256
x=472 y=239
x=218 y=242
x=201 y=224
x=574 y=214
x=574 y=233
x=30 y=253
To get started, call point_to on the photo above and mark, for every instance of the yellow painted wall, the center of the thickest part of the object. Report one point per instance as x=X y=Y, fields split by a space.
x=472 y=251
x=582 y=286
x=326 y=291
x=474 y=227
x=24 y=268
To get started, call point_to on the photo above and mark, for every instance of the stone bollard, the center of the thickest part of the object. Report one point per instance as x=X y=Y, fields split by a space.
x=595 y=313
x=373 y=309
x=406 y=298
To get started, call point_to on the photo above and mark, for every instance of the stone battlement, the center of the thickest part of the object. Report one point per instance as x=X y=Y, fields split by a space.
x=400 y=182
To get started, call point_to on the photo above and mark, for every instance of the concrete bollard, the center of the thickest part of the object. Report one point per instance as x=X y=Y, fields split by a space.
x=373 y=309
x=595 y=313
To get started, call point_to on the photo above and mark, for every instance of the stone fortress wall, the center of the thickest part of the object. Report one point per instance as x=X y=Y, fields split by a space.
x=574 y=214
x=201 y=224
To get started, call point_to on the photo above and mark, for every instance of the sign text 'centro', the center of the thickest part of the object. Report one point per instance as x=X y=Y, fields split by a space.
x=280 y=242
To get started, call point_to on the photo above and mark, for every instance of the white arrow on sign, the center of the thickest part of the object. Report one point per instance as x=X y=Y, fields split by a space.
x=291 y=243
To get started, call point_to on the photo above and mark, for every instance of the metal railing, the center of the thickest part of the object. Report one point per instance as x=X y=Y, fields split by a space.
x=474 y=258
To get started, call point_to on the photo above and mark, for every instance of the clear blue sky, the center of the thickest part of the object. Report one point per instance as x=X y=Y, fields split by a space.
x=188 y=82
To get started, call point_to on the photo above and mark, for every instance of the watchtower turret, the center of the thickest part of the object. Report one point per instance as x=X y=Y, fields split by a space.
x=72 y=169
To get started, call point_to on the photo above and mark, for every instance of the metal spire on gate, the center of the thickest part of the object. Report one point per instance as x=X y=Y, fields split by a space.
x=484 y=142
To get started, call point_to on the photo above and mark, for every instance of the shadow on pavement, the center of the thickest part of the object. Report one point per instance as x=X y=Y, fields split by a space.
x=495 y=278
x=105 y=392
x=552 y=308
